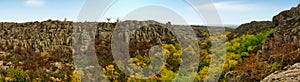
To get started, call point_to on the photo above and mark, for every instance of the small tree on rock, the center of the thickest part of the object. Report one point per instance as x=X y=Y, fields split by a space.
x=108 y=19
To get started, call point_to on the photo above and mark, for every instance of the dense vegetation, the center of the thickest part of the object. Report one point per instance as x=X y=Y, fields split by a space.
x=238 y=50
x=41 y=52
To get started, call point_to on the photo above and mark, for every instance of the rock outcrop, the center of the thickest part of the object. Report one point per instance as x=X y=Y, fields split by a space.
x=292 y=74
x=251 y=28
x=281 y=48
x=46 y=46
x=284 y=44
x=40 y=36
x=286 y=37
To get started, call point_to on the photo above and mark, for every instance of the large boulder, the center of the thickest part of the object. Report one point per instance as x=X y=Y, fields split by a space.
x=292 y=74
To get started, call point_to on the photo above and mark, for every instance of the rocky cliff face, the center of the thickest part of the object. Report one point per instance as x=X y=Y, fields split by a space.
x=251 y=28
x=282 y=48
x=49 y=35
x=284 y=44
x=289 y=74
x=142 y=38
x=287 y=33
x=46 y=46
x=38 y=36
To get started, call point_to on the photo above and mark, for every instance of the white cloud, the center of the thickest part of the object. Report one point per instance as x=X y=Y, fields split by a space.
x=35 y=2
x=237 y=12
x=231 y=6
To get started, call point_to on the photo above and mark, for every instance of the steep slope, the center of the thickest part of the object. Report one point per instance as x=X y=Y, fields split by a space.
x=253 y=27
x=290 y=74
x=280 y=49
x=286 y=36
x=284 y=45
x=45 y=47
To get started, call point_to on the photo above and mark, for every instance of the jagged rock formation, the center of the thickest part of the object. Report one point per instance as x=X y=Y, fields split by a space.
x=46 y=46
x=48 y=35
x=142 y=35
x=251 y=28
x=292 y=74
x=284 y=44
x=287 y=33
x=280 y=49
x=5 y=64
x=142 y=39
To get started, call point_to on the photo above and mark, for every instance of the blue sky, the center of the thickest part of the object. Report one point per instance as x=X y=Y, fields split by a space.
x=230 y=11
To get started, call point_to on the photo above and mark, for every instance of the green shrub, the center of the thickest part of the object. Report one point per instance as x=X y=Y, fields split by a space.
x=167 y=75
x=61 y=75
x=203 y=64
x=247 y=44
x=12 y=59
x=276 y=65
x=17 y=75
x=1 y=78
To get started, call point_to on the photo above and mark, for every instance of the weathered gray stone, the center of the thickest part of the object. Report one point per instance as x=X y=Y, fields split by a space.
x=290 y=75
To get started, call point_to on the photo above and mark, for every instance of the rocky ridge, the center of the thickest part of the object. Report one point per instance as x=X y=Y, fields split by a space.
x=251 y=28
x=284 y=44
x=46 y=46
x=290 y=74
x=24 y=43
x=280 y=49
